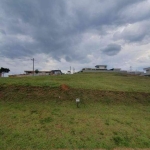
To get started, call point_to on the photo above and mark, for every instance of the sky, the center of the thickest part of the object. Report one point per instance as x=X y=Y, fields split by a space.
x=77 y=33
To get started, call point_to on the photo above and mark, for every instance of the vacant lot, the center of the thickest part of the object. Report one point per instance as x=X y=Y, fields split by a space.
x=38 y=113
x=98 y=81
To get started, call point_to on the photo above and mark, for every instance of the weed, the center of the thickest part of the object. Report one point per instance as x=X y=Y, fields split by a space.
x=34 y=112
x=108 y=100
x=71 y=121
x=1 y=132
x=55 y=112
x=107 y=122
x=73 y=132
x=121 y=141
x=46 y=120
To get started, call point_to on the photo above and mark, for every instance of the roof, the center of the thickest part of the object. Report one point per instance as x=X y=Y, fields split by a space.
x=38 y=71
x=55 y=70
x=101 y=65
x=31 y=71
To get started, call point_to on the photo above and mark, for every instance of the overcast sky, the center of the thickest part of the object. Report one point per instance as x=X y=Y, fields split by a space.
x=78 y=33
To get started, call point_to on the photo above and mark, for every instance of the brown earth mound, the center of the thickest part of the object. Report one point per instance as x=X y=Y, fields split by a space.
x=64 y=87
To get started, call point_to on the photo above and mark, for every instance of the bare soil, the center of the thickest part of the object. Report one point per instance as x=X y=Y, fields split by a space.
x=64 y=87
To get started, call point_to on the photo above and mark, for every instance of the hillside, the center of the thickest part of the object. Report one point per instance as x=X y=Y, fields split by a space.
x=41 y=112
x=93 y=81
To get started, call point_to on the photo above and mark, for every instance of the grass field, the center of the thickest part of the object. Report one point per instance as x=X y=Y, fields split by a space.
x=100 y=81
x=35 y=113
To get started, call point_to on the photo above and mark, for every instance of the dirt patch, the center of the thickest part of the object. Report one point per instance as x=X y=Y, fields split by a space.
x=64 y=87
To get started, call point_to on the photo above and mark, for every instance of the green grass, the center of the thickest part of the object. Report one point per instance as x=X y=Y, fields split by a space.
x=114 y=112
x=49 y=125
x=100 y=81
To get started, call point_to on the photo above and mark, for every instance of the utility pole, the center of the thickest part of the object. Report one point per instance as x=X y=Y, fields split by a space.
x=70 y=69
x=73 y=70
x=130 y=68
x=33 y=65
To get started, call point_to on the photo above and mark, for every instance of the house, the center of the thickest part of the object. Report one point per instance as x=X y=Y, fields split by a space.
x=88 y=69
x=38 y=73
x=98 y=68
x=68 y=72
x=29 y=72
x=52 y=72
x=101 y=67
x=147 y=71
x=55 y=72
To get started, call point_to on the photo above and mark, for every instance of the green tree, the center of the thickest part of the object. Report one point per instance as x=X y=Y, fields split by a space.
x=4 y=70
x=36 y=71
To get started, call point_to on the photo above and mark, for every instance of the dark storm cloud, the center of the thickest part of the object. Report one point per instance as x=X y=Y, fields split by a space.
x=55 y=27
x=137 y=32
x=112 y=49
x=48 y=23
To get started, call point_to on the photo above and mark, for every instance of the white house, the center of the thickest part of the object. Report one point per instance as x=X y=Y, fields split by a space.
x=147 y=71
x=52 y=72
x=30 y=72
x=55 y=72
x=38 y=73
x=101 y=67
x=98 y=68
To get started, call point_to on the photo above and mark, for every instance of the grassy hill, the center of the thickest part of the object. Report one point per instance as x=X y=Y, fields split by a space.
x=41 y=112
x=99 y=81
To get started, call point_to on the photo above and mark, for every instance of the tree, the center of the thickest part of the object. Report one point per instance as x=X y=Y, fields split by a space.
x=4 y=70
x=36 y=71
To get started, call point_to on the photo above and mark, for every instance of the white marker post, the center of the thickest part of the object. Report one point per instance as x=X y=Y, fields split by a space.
x=77 y=101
